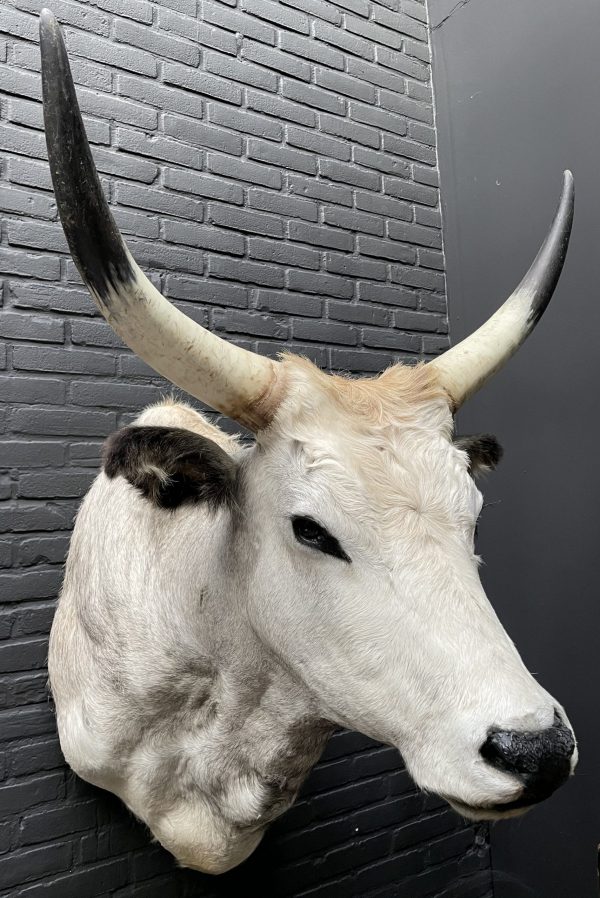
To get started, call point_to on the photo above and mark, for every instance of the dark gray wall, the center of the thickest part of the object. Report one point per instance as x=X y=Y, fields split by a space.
x=274 y=168
x=517 y=101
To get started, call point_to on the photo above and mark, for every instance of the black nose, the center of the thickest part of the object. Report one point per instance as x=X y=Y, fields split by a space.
x=541 y=759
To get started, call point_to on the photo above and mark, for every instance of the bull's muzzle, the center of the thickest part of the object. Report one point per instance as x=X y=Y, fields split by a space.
x=539 y=759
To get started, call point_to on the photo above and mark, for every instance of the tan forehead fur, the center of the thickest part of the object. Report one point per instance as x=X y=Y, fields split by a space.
x=397 y=393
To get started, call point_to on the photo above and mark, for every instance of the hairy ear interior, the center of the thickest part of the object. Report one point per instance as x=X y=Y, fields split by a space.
x=171 y=466
x=484 y=451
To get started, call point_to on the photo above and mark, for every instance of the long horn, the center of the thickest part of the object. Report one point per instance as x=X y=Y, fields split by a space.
x=465 y=368
x=232 y=380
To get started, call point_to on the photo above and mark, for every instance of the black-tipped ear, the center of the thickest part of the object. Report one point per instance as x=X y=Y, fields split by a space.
x=484 y=452
x=171 y=466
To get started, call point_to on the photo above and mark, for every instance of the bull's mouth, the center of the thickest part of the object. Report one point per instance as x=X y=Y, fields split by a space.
x=492 y=811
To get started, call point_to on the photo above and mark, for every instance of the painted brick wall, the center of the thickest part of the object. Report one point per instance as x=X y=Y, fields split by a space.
x=273 y=166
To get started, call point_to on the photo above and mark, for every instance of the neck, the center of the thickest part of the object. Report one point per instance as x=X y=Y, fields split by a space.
x=233 y=756
x=268 y=726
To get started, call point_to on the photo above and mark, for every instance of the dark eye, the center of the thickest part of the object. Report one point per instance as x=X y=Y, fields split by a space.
x=309 y=533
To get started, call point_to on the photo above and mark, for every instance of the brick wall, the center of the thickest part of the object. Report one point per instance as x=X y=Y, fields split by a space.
x=273 y=166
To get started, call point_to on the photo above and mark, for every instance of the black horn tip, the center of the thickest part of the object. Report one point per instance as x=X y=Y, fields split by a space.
x=93 y=238
x=567 y=198
x=47 y=19
x=51 y=40
x=542 y=277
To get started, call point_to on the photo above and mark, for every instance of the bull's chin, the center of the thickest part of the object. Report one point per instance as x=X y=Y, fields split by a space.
x=491 y=812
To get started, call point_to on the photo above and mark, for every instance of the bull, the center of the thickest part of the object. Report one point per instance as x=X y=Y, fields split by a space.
x=227 y=605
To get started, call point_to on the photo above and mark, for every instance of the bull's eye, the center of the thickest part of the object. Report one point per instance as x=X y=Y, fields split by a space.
x=309 y=533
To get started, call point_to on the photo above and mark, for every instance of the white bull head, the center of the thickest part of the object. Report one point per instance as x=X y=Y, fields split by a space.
x=225 y=606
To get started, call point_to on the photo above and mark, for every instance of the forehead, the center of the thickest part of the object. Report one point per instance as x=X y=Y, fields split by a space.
x=374 y=446
x=401 y=393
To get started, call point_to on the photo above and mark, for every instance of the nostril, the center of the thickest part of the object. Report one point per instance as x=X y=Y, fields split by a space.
x=541 y=759
x=500 y=751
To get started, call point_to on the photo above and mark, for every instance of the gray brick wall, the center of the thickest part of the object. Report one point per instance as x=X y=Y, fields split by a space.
x=273 y=166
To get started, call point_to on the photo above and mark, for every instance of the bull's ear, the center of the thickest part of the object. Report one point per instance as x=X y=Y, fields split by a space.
x=484 y=452
x=171 y=466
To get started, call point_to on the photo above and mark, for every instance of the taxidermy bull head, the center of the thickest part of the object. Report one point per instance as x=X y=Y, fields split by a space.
x=226 y=606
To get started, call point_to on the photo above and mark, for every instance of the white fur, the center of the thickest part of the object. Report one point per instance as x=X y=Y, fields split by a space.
x=198 y=659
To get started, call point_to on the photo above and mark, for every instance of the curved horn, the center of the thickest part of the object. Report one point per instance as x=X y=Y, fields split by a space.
x=232 y=380
x=465 y=368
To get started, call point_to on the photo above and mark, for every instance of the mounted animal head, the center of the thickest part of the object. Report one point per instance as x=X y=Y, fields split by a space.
x=359 y=508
